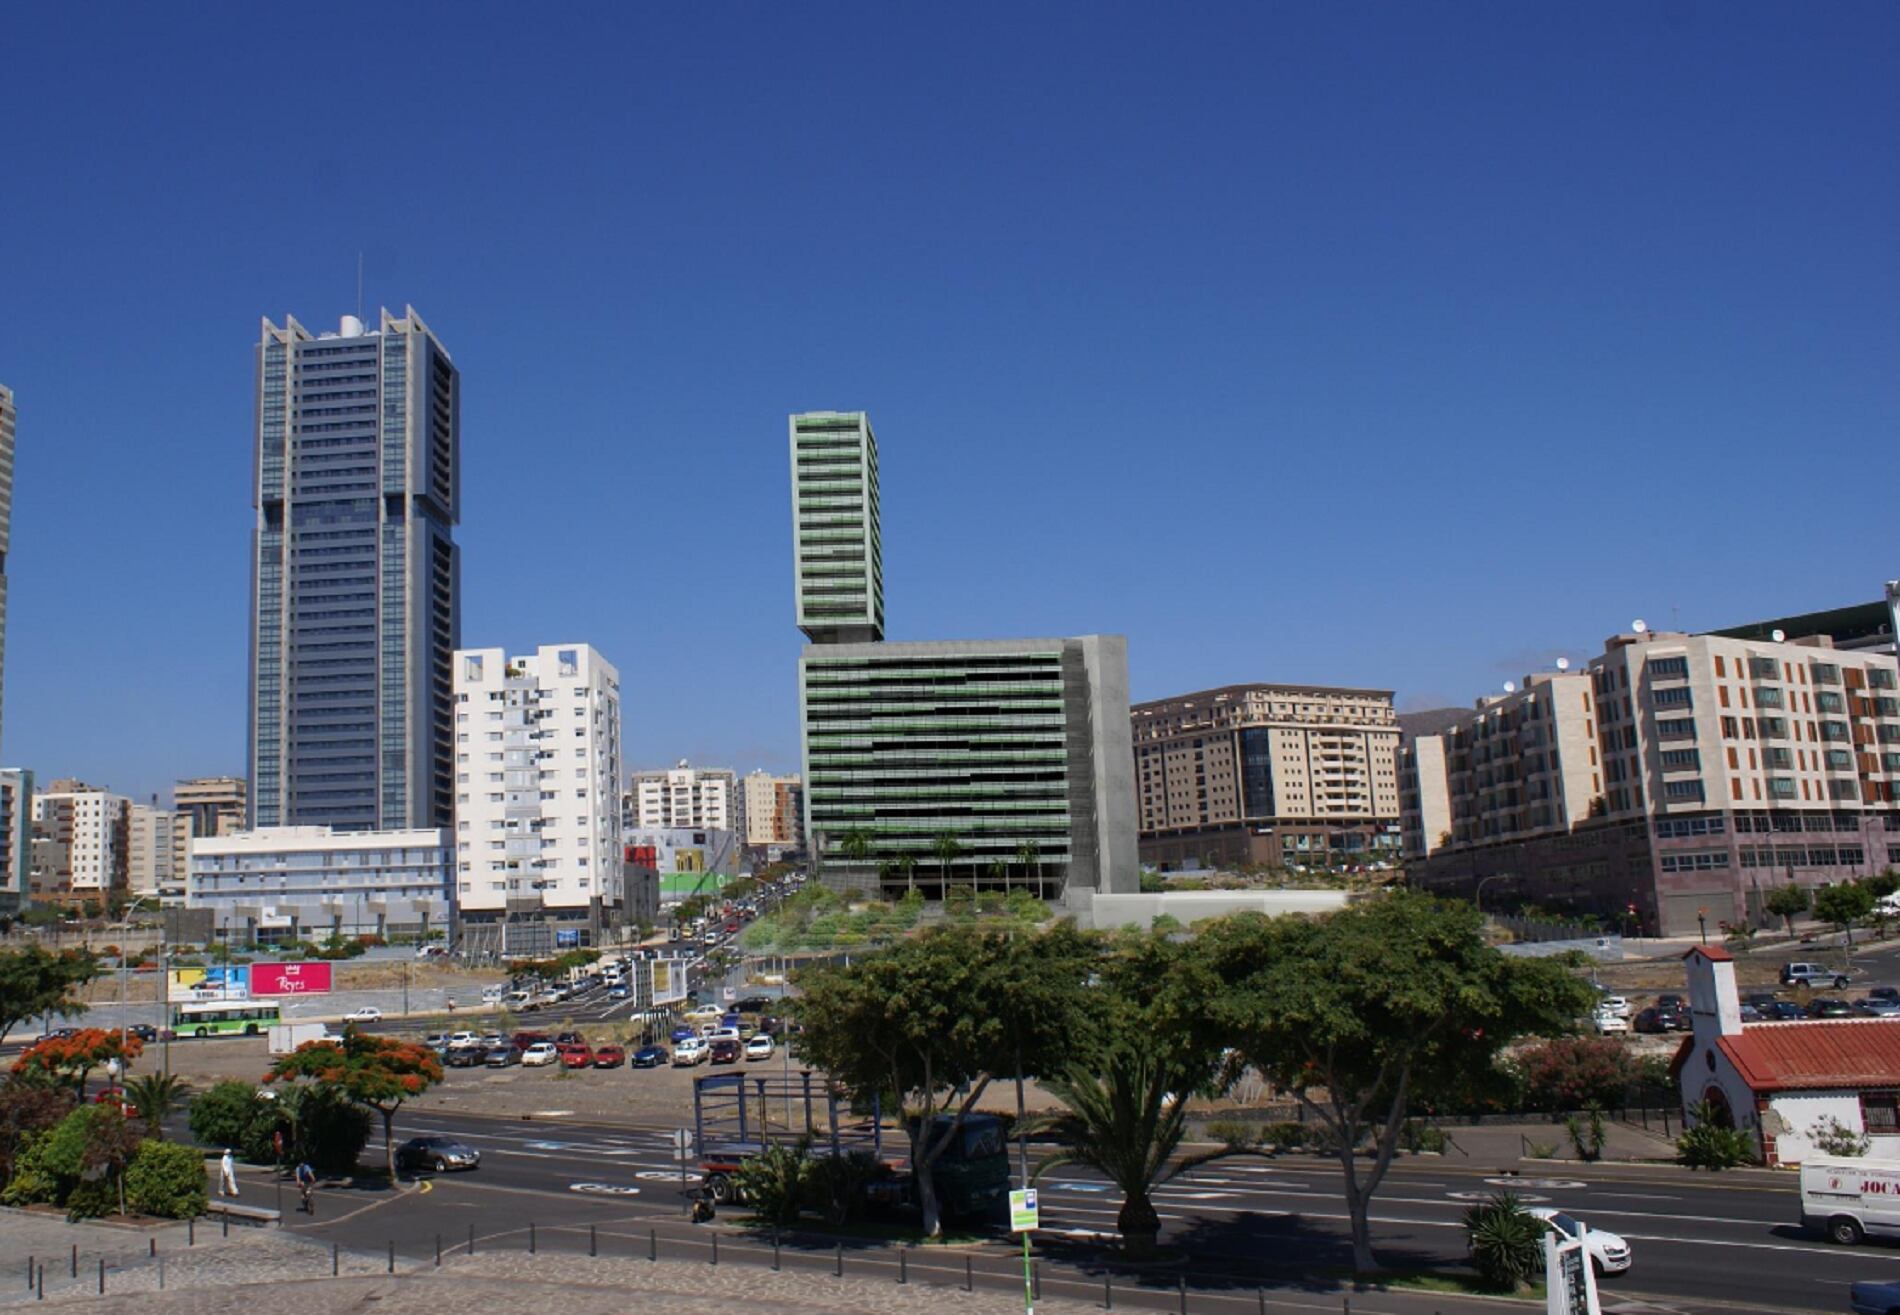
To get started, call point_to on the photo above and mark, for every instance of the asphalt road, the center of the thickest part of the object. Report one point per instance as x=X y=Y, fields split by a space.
x=1701 y=1244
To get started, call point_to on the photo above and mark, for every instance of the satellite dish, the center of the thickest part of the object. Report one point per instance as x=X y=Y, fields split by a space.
x=1563 y=664
x=1777 y=635
x=1640 y=626
x=1510 y=687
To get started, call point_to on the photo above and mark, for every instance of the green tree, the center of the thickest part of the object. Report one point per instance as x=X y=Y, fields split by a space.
x=166 y=1180
x=28 y=1107
x=855 y=844
x=379 y=1073
x=1360 y=1014
x=1842 y=905
x=71 y=1058
x=773 y=1183
x=933 y=1019
x=1125 y=1091
x=234 y=1114
x=906 y=864
x=35 y=981
x=1787 y=902
x=155 y=1098
x=946 y=847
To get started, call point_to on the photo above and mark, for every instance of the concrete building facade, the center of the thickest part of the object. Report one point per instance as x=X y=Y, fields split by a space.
x=1695 y=771
x=837 y=540
x=80 y=844
x=537 y=771
x=290 y=883
x=1014 y=752
x=154 y=866
x=16 y=838
x=1277 y=775
x=356 y=579
x=683 y=797
x=772 y=813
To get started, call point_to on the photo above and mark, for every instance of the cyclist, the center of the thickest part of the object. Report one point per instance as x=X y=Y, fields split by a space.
x=306 y=1185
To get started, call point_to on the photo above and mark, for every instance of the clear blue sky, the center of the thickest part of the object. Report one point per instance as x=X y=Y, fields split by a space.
x=1394 y=344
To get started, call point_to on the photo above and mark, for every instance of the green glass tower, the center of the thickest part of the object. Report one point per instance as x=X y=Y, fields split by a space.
x=837 y=547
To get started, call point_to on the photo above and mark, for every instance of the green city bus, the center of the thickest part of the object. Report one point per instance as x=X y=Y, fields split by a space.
x=224 y=1018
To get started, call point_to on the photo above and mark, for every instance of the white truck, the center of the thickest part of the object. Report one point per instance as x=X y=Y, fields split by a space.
x=1849 y=1199
x=286 y=1037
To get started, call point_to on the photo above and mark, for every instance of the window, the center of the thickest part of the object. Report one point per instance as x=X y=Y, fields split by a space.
x=1826 y=700
x=1680 y=728
x=1880 y=678
x=1780 y=787
x=1839 y=760
x=1825 y=673
x=1834 y=730
x=1774 y=728
x=1762 y=668
x=1668 y=667
x=1675 y=760
x=1671 y=697
x=471 y=669
x=1766 y=696
x=1682 y=789
x=1880 y=1111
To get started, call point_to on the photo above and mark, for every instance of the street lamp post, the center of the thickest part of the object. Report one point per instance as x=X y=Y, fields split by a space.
x=1702 y=921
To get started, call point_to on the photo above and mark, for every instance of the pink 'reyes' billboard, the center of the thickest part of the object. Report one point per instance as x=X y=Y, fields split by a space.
x=290 y=979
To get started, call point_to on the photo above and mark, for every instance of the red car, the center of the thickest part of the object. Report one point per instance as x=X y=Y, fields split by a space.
x=725 y=1051
x=525 y=1039
x=609 y=1057
x=577 y=1056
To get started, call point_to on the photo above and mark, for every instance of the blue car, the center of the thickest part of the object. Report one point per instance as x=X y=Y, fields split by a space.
x=731 y=1021
x=1875 y=1298
x=650 y=1057
x=683 y=1034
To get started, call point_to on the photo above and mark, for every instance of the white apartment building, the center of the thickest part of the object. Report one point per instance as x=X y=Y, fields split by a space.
x=772 y=811
x=154 y=869
x=290 y=882
x=87 y=828
x=537 y=772
x=683 y=798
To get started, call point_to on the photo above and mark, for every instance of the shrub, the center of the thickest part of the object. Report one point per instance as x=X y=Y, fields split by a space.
x=1287 y=1135
x=1541 y=1150
x=773 y=1183
x=28 y=1106
x=32 y=1182
x=1507 y=1243
x=1836 y=1138
x=1417 y=1135
x=166 y=1180
x=1575 y=1072
x=232 y=1114
x=1586 y=1137
x=324 y=1127
x=1235 y=1132
x=1709 y=1145
x=835 y=1185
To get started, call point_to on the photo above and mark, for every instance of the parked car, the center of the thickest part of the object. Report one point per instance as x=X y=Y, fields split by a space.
x=1884 y=993
x=751 y=1004
x=1813 y=974
x=436 y=1041
x=1651 y=1021
x=1829 y=1007
x=464 y=1057
x=1782 y=1011
x=650 y=1057
x=492 y=1039
x=726 y=1050
x=540 y=1055
x=1877 y=1007
x=523 y=1040
x=1608 y=1024
x=759 y=1047
x=573 y=1056
x=1760 y=1001
x=1614 y=1004
x=689 y=1052
x=682 y=1033
x=1669 y=1000
x=462 y=1040
x=1609 y=1253
x=367 y=1014
x=609 y=1057
x=569 y=1039
x=1750 y=1014
x=503 y=1057
x=438 y=1153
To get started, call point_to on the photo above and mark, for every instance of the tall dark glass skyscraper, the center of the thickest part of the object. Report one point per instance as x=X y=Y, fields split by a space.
x=356 y=584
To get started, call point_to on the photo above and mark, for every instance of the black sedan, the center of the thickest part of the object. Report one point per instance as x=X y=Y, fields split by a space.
x=1827 y=1007
x=464 y=1057
x=650 y=1057
x=438 y=1153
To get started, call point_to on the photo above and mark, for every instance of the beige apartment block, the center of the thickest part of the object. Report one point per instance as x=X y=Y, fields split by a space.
x=1272 y=774
x=1687 y=776
x=80 y=849
x=153 y=866
x=773 y=810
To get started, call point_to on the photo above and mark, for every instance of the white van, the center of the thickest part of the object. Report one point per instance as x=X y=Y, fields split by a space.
x=492 y=995
x=1849 y=1199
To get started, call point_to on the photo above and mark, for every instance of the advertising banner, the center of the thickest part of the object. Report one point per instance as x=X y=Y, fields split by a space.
x=290 y=978
x=214 y=983
x=669 y=981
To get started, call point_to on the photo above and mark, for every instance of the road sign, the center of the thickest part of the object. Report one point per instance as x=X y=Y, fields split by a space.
x=682 y=1144
x=1022 y=1211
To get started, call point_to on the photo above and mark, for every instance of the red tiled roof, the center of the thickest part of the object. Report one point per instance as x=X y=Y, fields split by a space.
x=1714 y=953
x=1825 y=1053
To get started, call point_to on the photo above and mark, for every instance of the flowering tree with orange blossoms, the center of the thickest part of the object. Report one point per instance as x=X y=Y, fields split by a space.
x=377 y=1072
x=71 y=1058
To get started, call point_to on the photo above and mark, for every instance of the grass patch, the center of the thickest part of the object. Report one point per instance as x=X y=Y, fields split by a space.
x=871 y=1231
x=1461 y=1285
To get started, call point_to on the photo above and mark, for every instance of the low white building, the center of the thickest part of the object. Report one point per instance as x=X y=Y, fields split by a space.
x=537 y=783
x=308 y=882
x=1786 y=1082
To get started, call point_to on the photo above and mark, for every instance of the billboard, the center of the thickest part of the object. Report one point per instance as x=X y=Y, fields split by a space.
x=213 y=983
x=290 y=979
x=669 y=980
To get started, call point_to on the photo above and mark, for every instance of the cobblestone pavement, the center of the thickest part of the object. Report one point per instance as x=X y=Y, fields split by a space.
x=267 y=1267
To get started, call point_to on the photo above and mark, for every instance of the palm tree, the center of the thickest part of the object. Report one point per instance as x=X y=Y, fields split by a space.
x=946 y=847
x=1031 y=858
x=1126 y=1122
x=999 y=871
x=907 y=864
x=855 y=844
x=156 y=1098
